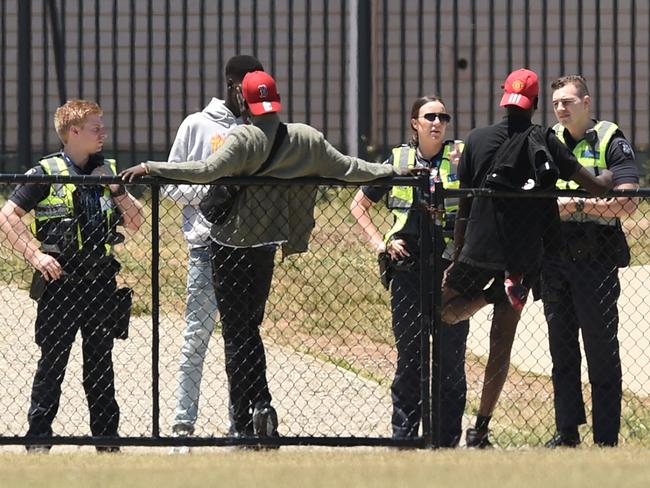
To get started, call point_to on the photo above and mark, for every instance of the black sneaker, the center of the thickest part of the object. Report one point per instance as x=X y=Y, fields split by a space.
x=563 y=440
x=477 y=439
x=265 y=421
x=107 y=449
x=243 y=435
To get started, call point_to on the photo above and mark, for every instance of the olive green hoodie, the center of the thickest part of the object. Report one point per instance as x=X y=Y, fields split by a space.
x=272 y=214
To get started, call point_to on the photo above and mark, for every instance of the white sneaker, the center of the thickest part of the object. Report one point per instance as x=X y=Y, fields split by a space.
x=181 y=431
x=180 y=450
x=38 y=449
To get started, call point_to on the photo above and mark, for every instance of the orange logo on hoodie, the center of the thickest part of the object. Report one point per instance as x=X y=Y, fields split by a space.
x=216 y=141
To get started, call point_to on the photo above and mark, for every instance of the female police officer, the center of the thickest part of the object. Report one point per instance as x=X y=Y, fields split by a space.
x=429 y=149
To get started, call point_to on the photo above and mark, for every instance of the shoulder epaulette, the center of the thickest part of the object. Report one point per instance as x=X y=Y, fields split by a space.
x=57 y=154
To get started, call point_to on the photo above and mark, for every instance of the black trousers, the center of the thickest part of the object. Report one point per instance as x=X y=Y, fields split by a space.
x=242 y=279
x=405 y=389
x=583 y=296
x=65 y=307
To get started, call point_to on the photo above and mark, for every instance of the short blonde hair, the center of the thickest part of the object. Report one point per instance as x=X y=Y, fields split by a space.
x=73 y=112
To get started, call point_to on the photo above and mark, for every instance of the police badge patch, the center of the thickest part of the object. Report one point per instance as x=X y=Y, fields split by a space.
x=626 y=148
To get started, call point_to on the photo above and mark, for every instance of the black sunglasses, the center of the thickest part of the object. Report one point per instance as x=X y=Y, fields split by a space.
x=441 y=116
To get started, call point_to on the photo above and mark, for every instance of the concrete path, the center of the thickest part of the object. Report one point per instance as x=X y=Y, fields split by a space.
x=312 y=397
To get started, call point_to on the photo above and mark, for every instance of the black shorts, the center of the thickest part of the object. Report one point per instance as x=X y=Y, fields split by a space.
x=469 y=280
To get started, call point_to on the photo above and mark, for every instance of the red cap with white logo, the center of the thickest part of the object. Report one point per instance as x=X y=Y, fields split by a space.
x=260 y=93
x=520 y=89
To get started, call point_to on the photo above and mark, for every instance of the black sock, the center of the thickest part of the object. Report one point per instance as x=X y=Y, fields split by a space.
x=482 y=422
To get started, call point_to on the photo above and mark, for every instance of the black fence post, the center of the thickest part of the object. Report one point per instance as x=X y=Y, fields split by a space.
x=428 y=428
x=155 y=309
x=437 y=200
x=364 y=76
x=24 y=150
x=59 y=50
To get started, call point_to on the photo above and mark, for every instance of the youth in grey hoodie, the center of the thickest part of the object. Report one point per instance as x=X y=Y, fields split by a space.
x=198 y=136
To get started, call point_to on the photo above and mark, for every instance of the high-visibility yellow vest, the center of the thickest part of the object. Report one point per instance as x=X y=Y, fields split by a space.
x=59 y=204
x=400 y=198
x=592 y=155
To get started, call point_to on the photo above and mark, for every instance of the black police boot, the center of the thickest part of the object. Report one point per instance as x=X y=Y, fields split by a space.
x=107 y=449
x=564 y=438
x=477 y=439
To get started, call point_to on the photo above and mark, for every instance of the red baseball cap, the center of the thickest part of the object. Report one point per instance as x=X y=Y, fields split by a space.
x=260 y=93
x=520 y=89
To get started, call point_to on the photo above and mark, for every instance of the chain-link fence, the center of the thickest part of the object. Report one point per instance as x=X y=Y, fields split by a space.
x=576 y=320
x=326 y=329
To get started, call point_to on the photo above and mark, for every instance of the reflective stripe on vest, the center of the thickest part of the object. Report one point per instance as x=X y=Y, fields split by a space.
x=400 y=199
x=60 y=204
x=593 y=159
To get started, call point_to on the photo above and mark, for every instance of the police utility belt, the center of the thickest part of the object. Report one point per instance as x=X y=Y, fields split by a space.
x=115 y=311
x=387 y=265
x=589 y=241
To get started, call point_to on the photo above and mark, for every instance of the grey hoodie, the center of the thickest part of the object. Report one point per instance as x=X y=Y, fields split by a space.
x=198 y=136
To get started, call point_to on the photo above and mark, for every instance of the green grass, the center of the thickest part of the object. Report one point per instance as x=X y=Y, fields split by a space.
x=376 y=468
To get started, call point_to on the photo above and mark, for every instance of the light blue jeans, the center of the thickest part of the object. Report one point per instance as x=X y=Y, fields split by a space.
x=200 y=317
